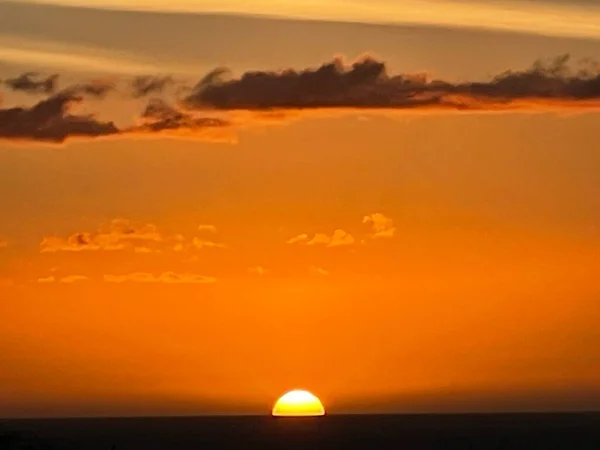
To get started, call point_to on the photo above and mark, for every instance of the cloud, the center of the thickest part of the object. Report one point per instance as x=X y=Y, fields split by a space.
x=161 y=117
x=339 y=238
x=207 y=228
x=165 y=277
x=298 y=239
x=144 y=85
x=319 y=271
x=118 y=234
x=258 y=270
x=46 y=280
x=70 y=279
x=383 y=226
x=145 y=250
x=366 y=84
x=3 y=243
x=219 y=105
x=50 y=121
x=200 y=244
x=33 y=82
x=96 y=88
x=123 y=234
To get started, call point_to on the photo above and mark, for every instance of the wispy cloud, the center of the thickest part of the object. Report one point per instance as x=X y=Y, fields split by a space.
x=32 y=82
x=165 y=277
x=3 y=243
x=34 y=52
x=69 y=279
x=318 y=271
x=258 y=270
x=207 y=228
x=298 y=239
x=546 y=17
x=200 y=244
x=160 y=117
x=145 y=85
x=73 y=279
x=46 y=280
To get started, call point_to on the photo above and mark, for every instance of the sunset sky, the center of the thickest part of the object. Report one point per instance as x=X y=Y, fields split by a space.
x=392 y=204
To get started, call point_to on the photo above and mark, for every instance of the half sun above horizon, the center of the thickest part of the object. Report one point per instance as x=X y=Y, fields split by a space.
x=298 y=403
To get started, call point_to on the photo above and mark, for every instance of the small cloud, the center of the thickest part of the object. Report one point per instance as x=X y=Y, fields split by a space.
x=207 y=228
x=46 y=280
x=203 y=243
x=382 y=226
x=3 y=243
x=165 y=277
x=338 y=239
x=73 y=279
x=298 y=239
x=258 y=270
x=319 y=271
x=144 y=250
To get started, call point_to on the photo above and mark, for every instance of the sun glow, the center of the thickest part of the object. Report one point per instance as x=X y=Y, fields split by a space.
x=298 y=403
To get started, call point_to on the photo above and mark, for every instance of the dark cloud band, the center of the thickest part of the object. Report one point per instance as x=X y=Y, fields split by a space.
x=365 y=84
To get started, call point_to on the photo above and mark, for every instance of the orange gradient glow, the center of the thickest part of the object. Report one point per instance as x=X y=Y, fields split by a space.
x=298 y=403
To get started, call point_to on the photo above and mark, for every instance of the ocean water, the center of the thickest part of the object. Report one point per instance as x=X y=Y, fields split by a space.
x=410 y=432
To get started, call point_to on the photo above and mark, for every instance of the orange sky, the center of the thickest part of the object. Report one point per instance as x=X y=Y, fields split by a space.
x=385 y=262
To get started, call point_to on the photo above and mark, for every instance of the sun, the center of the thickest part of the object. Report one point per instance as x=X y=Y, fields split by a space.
x=298 y=403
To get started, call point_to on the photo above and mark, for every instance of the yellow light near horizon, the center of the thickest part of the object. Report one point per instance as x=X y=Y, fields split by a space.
x=298 y=403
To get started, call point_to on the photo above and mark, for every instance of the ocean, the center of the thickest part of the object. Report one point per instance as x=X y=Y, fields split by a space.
x=409 y=432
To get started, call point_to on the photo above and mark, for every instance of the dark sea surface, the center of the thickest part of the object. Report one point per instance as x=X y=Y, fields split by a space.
x=410 y=432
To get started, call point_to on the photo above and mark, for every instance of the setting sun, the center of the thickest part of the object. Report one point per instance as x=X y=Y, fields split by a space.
x=298 y=403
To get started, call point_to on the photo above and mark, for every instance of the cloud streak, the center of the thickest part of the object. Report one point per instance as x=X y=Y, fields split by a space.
x=69 y=279
x=164 y=278
x=32 y=82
